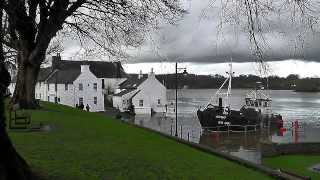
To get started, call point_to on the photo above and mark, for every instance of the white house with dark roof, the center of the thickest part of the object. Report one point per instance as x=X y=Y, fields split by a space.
x=145 y=93
x=78 y=82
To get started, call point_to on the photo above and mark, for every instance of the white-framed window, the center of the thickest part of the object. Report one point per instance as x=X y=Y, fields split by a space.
x=80 y=87
x=95 y=100
x=80 y=101
x=95 y=86
x=66 y=87
x=140 y=102
x=159 y=101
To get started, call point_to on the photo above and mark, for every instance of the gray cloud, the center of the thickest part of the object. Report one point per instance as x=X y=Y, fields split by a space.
x=198 y=41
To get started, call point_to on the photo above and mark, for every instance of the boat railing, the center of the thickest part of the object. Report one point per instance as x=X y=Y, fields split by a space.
x=230 y=128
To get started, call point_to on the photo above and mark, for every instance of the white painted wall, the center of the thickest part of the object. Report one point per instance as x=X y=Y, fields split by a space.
x=122 y=102
x=87 y=78
x=150 y=91
x=71 y=96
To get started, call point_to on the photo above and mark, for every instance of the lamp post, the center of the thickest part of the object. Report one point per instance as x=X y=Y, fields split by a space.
x=184 y=73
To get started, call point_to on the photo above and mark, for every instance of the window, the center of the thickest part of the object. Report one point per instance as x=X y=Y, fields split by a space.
x=55 y=87
x=95 y=86
x=80 y=86
x=48 y=86
x=66 y=87
x=55 y=100
x=80 y=101
x=102 y=83
x=95 y=100
x=58 y=99
x=159 y=101
x=140 y=102
x=48 y=98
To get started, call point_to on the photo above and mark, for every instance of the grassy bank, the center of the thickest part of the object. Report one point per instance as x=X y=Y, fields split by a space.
x=89 y=146
x=298 y=164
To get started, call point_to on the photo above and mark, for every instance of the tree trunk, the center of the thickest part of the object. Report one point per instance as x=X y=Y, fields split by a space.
x=12 y=165
x=24 y=93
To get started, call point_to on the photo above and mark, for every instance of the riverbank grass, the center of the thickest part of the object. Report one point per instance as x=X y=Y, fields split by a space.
x=89 y=146
x=298 y=164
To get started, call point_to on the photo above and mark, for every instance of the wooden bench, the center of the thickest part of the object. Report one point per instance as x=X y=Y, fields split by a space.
x=19 y=119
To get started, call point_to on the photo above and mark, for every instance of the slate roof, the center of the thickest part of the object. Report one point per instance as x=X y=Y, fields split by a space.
x=44 y=73
x=64 y=76
x=132 y=82
x=63 y=71
x=124 y=92
x=101 y=69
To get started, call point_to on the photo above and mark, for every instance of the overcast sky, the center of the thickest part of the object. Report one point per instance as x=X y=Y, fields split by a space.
x=197 y=44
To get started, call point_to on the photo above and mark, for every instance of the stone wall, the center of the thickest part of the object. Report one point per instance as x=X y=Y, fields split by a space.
x=274 y=149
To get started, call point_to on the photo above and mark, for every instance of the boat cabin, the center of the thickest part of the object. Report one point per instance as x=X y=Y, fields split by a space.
x=250 y=102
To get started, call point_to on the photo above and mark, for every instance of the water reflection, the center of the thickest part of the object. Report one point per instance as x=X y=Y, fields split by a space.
x=293 y=106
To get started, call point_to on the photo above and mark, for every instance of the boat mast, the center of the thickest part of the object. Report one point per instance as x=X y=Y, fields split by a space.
x=227 y=94
x=230 y=73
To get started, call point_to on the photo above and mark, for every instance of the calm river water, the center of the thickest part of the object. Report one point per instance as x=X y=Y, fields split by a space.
x=293 y=106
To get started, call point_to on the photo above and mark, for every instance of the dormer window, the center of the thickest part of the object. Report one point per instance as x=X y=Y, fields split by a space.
x=80 y=87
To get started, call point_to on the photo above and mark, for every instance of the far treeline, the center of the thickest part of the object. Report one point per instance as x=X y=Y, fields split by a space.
x=193 y=81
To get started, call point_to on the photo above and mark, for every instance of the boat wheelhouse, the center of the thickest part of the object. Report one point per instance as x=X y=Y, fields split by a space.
x=255 y=112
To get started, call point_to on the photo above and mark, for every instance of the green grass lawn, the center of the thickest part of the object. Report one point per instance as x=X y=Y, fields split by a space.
x=89 y=146
x=298 y=164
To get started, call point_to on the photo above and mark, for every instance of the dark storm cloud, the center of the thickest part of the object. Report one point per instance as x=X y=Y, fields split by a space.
x=195 y=40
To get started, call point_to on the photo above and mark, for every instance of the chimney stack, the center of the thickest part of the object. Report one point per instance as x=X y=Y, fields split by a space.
x=56 y=61
x=85 y=68
x=151 y=74
x=118 y=69
x=140 y=75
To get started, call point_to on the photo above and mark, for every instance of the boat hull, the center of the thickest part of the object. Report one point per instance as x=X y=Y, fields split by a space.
x=236 y=120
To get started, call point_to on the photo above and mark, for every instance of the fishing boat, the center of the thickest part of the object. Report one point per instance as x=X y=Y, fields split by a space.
x=255 y=113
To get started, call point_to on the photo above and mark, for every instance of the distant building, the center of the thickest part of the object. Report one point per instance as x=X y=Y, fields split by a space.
x=78 y=82
x=144 y=93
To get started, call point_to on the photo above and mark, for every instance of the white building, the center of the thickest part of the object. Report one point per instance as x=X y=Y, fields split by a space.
x=145 y=93
x=79 y=82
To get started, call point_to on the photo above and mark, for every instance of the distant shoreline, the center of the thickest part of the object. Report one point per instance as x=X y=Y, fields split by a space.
x=308 y=91
x=232 y=88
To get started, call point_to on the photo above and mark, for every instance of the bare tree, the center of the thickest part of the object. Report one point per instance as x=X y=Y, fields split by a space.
x=30 y=25
x=258 y=18
x=12 y=165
